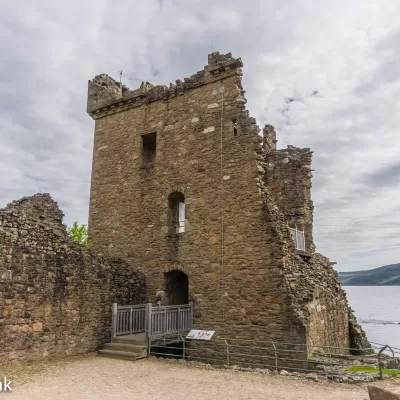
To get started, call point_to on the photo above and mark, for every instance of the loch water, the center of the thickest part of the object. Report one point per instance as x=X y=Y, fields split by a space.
x=377 y=309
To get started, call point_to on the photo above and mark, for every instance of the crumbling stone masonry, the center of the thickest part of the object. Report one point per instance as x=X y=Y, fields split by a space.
x=195 y=143
x=55 y=297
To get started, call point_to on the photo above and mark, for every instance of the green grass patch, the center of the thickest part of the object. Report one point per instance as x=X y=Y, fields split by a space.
x=372 y=370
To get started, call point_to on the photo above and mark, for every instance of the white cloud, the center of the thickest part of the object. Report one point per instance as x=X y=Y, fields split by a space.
x=339 y=61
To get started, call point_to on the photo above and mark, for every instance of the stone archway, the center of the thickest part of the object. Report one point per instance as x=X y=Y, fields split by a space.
x=176 y=287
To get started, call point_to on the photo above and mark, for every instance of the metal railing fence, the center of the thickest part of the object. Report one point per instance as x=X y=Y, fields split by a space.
x=165 y=320
x=272 y=355
x=154 y=320
x=130 y=319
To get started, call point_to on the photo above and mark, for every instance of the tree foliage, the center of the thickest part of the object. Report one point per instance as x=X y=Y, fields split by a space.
x=78 y=234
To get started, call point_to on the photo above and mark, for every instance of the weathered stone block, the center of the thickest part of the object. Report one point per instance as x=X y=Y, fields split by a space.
x=37 y=327
x=209 y=129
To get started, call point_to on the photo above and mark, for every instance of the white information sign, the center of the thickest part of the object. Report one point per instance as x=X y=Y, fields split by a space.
x=200 y=335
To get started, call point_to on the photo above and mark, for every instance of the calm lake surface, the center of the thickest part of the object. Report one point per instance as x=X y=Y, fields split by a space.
x=377 y=309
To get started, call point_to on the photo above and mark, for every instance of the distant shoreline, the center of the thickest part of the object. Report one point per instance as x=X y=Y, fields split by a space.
x=388 y=275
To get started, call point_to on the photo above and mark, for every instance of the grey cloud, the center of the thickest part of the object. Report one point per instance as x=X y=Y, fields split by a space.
x=386 y=50
x=49 y=53
x=391 y=235
x=382 y=178
x=386 y=74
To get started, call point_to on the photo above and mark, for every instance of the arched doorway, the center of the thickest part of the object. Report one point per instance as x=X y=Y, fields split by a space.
x=176 y=287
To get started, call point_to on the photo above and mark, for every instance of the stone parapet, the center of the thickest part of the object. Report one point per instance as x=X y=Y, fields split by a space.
x=106 y=96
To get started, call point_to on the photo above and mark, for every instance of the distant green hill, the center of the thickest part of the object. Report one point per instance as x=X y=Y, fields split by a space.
x=386 y=275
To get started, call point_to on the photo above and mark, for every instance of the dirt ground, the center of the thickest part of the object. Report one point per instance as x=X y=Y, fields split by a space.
x=93 y=377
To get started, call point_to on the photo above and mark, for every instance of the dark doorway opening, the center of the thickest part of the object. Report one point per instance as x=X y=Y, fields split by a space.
x=176 y=287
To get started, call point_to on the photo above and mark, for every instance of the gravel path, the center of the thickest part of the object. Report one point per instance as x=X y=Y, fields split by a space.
x=93 y=377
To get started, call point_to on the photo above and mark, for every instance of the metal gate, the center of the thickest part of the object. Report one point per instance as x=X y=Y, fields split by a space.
x=154 y=320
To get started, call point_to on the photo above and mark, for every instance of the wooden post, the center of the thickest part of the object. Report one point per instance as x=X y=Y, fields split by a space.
x=114 y=321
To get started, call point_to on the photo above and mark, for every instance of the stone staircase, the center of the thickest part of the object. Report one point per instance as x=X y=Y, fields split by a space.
x=129 y=347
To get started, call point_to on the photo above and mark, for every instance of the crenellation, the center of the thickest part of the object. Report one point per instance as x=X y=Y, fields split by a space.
x=104 y=92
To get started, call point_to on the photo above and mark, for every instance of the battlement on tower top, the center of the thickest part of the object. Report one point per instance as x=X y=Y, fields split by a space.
x=107 y=96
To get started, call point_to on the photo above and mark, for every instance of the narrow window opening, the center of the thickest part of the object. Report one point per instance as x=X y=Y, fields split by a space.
x=181 y=217
x=149 y=148
x=299 y=239
x=235 y=131
x=177 y=212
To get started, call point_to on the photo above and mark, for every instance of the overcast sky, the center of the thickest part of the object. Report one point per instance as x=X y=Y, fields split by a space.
x=325 y=73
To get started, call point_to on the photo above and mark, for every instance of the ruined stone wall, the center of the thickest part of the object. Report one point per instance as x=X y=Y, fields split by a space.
x=288 y=178
x=269 y=138
x=314 y=286
x=58 y=300
x=319 y=301
x=237 y=252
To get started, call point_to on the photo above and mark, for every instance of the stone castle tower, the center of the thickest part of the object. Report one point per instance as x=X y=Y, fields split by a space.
x=185 y=187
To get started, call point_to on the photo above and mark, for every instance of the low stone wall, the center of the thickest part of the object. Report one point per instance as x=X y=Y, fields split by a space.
x=55 y=297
